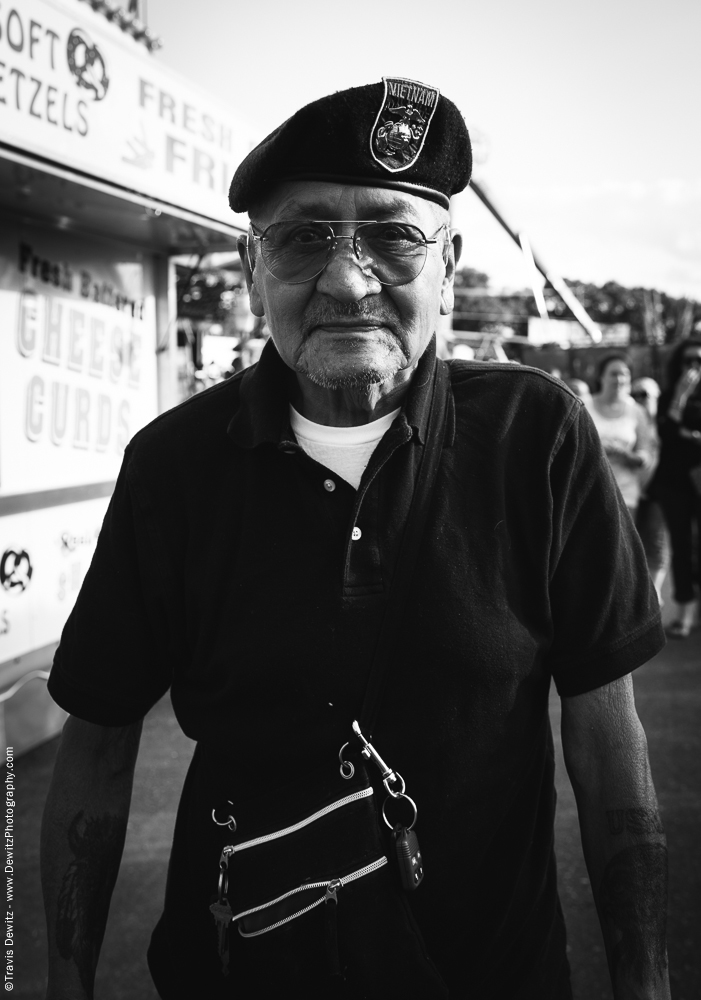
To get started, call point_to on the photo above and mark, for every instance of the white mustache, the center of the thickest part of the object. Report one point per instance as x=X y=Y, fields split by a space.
x=340 y=313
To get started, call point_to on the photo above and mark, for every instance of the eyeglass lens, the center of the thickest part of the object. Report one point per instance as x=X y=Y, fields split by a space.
x=294 y=252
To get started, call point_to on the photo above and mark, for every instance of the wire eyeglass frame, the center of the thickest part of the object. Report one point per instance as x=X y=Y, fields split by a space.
x=333 y=238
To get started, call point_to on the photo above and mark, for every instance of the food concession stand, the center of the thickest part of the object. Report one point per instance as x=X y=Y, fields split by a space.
x=110 y=165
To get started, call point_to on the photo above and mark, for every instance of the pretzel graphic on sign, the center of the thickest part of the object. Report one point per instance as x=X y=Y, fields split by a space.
x=86 y=64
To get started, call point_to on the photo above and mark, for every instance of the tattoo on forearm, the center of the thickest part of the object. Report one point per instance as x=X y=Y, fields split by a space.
x=84 y=896
x=633 y=901
x=642 y=822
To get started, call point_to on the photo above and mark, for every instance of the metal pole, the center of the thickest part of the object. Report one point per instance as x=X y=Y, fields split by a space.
x=532 y=275
x=565 y=293
x=166 y=331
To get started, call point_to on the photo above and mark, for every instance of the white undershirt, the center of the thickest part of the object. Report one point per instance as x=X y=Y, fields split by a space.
x=344 y=450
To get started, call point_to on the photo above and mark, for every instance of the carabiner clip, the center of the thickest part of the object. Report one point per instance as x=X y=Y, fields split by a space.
x=389 y=777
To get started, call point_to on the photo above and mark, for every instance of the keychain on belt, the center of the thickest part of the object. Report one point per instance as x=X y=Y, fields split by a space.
x=411 y=868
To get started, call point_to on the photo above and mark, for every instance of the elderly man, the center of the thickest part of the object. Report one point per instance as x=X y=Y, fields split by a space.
x=352 y=532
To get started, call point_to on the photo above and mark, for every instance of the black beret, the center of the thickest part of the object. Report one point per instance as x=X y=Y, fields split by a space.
x=396 y=134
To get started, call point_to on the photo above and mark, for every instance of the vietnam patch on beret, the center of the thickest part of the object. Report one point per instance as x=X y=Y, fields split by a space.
x=398 y=134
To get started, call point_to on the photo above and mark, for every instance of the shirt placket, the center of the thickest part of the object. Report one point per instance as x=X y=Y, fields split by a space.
x=363 y=563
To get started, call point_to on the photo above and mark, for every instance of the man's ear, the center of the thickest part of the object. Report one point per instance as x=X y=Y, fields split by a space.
x=256 y=302
x=452 y=257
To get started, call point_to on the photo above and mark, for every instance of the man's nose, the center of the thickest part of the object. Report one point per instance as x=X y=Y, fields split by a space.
x=345 y=277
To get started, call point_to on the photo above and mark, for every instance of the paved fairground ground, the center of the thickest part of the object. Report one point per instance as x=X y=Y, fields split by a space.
x=668 y=695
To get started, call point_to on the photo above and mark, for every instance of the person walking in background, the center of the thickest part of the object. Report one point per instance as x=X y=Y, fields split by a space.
x=677 y=482
x=649 y=519
x=579 y=387
x=646 y=393
x=624 y=430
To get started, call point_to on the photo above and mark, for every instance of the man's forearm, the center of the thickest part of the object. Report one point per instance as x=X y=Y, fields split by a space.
x=626 y=856
x=622 y=836
x=82 y=838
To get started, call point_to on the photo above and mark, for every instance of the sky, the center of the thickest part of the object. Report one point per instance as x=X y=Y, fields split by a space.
x=587 y=114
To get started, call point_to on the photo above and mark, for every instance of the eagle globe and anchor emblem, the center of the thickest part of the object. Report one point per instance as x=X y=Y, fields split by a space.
x=400 y=128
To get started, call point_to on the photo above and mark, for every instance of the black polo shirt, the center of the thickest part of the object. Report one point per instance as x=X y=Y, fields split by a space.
x=227 y=571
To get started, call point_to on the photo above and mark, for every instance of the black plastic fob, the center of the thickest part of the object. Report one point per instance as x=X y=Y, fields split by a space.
x=409 y=857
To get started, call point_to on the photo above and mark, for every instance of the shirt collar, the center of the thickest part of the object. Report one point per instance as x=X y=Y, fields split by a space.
x=263 y=412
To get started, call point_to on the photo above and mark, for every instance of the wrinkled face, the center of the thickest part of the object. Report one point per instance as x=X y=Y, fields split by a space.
x=616 y=378
x=344 y=328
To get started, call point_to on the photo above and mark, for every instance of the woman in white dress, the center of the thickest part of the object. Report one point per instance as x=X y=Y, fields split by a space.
x=623 y=428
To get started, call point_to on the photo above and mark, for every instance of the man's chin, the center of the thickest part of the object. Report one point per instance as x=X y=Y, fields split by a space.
x=351 y=365
x=359 y=378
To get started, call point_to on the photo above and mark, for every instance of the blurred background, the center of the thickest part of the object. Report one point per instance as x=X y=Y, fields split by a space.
x=121 y=293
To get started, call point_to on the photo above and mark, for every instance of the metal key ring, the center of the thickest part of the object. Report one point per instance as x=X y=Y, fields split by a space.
x=400 y=795
x=347 y=770
x=223 y=886
x=229 y=821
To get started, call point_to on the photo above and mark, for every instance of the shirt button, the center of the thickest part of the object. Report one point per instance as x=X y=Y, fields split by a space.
x=356 y=534
x=329 y=485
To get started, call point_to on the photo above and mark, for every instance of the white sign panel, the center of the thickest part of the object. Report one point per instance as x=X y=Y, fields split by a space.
x=44 y=556
x=77 y=358
x=553 y=331
x=615 y=334
x=570 y=333
x=75 y=89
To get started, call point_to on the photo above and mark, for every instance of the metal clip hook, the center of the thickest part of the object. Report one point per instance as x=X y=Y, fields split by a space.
x=370 y=753
x=347 y=769
x=229 y=821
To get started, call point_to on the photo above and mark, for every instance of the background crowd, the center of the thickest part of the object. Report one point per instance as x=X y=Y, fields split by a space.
x=652 y=439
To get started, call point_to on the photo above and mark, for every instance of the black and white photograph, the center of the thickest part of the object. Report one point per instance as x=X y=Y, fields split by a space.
x=350 y=500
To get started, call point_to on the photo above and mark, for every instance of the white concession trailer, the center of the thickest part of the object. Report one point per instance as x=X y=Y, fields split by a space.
x=110 y=164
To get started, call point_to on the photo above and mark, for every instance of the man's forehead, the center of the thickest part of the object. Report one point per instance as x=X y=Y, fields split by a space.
x=318 y=200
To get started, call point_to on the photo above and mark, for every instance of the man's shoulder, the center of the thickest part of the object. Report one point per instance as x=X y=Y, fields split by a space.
x=507 y=375
x=523 y=409
x=509 y=388
x=192 y=430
